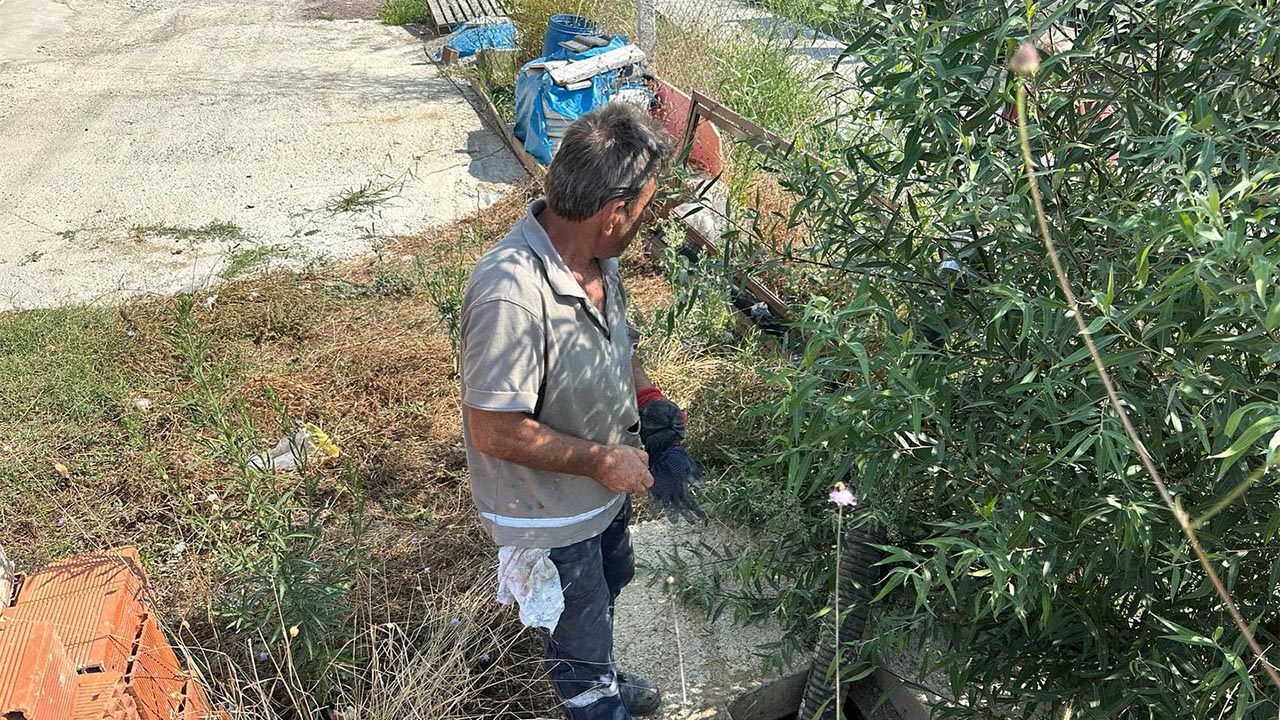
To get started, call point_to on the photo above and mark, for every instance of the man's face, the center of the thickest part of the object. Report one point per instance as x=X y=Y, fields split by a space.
x=624 y=224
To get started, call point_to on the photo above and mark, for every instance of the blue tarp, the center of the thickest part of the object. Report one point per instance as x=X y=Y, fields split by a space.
x=536 y=93
x=468 y=40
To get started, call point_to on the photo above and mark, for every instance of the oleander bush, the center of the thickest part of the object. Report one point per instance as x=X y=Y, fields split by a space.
x=1031 y=563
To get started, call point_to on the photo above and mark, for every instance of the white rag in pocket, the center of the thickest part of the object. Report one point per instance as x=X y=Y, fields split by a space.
x=528 y=577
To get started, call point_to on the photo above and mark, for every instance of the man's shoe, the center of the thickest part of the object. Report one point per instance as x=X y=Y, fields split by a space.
x=639 y=695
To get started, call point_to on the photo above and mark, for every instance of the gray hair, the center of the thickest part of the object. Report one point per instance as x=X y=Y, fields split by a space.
x=611 y=152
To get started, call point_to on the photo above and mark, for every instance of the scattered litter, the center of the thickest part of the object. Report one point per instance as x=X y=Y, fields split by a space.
x=178 y=548
x=143 y=404
x=210 y=301
x=309 y=444
x=62 y=470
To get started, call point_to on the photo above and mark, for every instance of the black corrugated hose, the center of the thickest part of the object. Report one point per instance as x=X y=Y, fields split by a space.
x=858 y=577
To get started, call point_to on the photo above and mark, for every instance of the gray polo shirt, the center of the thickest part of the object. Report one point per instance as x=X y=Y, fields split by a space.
x=532 y=342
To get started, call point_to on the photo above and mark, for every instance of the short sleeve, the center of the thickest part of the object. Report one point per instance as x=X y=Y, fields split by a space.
x=502 y=357
x=633 y=336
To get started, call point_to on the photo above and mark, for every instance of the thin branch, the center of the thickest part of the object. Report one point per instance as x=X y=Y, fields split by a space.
x=1183 y=520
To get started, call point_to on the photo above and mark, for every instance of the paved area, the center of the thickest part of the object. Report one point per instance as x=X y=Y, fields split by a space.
x=701 y=665
x=154 y=146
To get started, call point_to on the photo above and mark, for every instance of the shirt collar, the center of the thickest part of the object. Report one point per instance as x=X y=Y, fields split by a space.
x=559 y=276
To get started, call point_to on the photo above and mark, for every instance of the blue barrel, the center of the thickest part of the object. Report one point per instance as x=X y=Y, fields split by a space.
x=564 y=27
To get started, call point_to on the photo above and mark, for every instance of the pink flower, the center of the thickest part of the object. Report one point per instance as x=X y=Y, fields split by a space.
x=843 y=496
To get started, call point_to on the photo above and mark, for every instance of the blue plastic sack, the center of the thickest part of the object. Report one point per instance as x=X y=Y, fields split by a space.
x=536 y=93
x=470 y=40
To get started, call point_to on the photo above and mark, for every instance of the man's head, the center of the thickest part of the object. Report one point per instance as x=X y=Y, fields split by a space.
x=606 y=172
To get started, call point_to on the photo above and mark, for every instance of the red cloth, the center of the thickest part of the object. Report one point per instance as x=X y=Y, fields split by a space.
x=648 y=395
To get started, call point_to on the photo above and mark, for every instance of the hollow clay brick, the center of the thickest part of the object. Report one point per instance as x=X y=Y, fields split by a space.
x=94 y=601
x=37 y=679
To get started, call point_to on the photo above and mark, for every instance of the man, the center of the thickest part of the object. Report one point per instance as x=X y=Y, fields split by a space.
x=555 y=406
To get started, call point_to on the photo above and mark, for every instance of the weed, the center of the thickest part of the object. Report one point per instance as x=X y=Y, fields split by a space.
x=761 y=78
x=404 y=12
x=444 y=287
x=216 y=230
x=290 y=583
x=497 y=72
x=396 y=280
x=220 y=382
x=249 y=260
x=371 y=194
x=62 y=372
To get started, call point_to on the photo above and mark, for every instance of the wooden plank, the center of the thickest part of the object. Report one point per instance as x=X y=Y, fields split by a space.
x=449 y=16
x=770 y=298
x=470 y=10
x=487 y=19
x=489 y=115
x=592 y=66
x=437 y=14
x=763 y=139
x=548 y=65
x=446 y=14
x=478 y=10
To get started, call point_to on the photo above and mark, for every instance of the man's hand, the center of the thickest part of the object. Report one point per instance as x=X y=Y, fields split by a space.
x=661 y=422
x=673 y=474
x=624 y=469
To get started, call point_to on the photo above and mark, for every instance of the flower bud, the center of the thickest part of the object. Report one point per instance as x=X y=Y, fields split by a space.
x=1026 y=60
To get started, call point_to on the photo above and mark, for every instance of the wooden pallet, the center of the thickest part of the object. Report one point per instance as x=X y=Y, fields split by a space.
x=448 y=14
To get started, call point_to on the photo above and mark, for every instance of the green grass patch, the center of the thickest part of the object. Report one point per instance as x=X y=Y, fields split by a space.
x=248 y=261
x=369 y=195
x=62 y=372
x=217 y=230
x=404 y=12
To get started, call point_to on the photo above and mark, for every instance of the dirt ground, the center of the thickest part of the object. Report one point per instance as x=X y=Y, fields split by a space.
x=700 y=665
x=153 y=146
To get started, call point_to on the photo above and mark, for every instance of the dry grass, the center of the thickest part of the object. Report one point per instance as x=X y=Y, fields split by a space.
x=376 y=372
x=532 y=16
x=445 y=651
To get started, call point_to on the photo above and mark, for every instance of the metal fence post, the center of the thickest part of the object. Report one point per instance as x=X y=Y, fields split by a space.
x=646 y=26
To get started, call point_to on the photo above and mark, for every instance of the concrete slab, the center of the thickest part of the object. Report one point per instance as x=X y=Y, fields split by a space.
x=145 y=144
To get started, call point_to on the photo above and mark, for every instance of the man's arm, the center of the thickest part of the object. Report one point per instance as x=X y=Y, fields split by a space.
x=517 y=438
x=641 y=379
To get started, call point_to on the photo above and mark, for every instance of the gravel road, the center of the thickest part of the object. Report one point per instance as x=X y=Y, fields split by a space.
x=152 y=146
